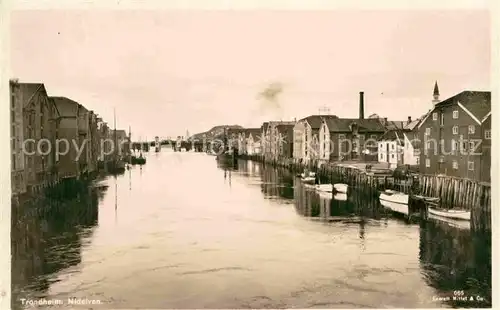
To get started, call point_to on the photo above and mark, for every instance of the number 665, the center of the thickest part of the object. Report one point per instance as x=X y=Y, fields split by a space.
x=458 y=293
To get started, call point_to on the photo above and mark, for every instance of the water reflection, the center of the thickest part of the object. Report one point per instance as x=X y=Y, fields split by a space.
x=264 y=242
x=47 y=238
x=453 y=259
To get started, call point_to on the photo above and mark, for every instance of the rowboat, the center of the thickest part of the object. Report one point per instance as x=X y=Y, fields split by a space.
x=392 y=196
x=465 y=225
x=395 y=207
x=308 y=180
x=324 y=188
x=395 y=201
x=451 y=214
x=340 y=187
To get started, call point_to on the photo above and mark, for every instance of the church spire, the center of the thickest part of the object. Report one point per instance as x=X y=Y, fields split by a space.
x=436 y=93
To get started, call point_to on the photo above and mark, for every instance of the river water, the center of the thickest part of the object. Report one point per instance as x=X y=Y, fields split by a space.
x=183 y=232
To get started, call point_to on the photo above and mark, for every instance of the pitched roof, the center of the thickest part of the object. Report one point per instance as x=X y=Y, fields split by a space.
x=365 y=125
x=65 y=106
x=392 y=125
x=252 y=131
x=29 y=90
x=476 y=103
x=286 y=131
x=412 y=125
x=393 y=135
x=315 y=121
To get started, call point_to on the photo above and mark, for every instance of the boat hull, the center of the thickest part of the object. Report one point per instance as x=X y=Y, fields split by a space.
x=395 y=197
x=395 y=207
x=307 y=180
x=395 y=201
x=451 y=214
x=465 y=225
x=324 y=188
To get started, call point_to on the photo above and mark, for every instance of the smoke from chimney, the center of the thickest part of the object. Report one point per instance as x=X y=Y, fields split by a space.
x=361 y=105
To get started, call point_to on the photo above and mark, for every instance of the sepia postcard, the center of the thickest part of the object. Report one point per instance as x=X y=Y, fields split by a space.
x=248 y=155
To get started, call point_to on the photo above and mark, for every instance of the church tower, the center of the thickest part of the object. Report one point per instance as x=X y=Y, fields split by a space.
x=435 y=95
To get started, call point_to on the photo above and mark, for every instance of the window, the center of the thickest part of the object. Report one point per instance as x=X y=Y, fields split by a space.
x=434 y=116
x=380 y=145
x=455 y=165
x=418 y=160
x=13 y=130
x=472 y=129
x=361 y=137
x=455 y=130
x=341 y=137
x=470 y=166
x=427 y=162
x=374 y=137
x=454 y=145
x=13 y=101
x=392 y=156
x=464 y=146
x=13 y=161
x=487 y=134
x=381 y=156
x=427 y=131
x=442 y=120
x=455 y=114
x=472 y=145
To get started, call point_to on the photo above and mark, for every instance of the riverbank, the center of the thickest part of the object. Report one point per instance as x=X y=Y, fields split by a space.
x=452 y=192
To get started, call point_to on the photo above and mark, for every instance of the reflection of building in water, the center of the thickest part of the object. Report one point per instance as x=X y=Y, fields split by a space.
x=454 y=259
x=276 y=183
x=43 y=243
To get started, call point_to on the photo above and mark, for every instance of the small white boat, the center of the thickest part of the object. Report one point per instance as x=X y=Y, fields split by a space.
x=340 y=197
x=395 y=207
x=390 y=195
x=451 y=214
x=308 y=180
x=324 y=188
x=465 y=225
x=340 y=187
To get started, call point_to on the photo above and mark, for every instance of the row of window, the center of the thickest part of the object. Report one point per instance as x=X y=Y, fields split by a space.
x=470 y=164
x=435 y=116
x=471 y=130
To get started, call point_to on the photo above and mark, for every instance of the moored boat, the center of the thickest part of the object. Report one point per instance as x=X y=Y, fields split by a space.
x=451 y=213
x=340 y=187
x=449 y=221
x=308 y=180
x=395 y=201
x=324 y=188
x=395 y=207
x=392 y=196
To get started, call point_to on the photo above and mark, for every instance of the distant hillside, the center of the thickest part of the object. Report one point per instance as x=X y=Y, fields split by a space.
x=214 y=131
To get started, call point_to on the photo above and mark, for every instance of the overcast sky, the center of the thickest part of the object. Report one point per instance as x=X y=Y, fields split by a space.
x=166 y=72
